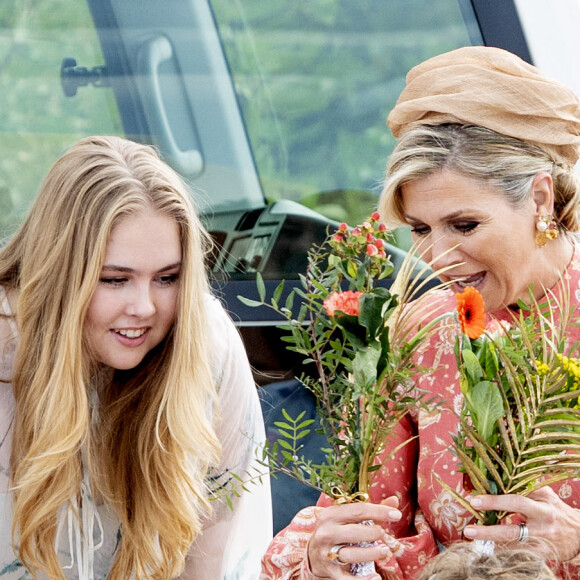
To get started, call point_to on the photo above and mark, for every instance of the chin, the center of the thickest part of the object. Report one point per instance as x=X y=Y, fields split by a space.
x=492 y=305
x=123 y=365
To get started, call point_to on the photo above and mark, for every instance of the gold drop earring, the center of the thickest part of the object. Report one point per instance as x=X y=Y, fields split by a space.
x=547 y=229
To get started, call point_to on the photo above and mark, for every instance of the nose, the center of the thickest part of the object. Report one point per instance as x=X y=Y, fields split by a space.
x=141 y=302
x=444 y=252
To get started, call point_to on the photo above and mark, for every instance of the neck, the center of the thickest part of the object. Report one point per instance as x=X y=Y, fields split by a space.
x=560 y=255
x=554 y=258
x=550 y=264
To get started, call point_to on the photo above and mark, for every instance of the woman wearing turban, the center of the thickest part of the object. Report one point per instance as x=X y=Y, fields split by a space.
x=483 y=173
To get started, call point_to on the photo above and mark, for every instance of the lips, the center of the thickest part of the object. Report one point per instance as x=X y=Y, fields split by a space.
x=130 y=332
x=474 y=280
x=131 y=337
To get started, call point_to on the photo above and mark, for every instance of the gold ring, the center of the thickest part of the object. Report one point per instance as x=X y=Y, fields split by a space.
x=333 y=555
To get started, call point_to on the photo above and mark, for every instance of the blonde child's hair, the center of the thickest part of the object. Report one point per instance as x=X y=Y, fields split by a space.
x=466 y=561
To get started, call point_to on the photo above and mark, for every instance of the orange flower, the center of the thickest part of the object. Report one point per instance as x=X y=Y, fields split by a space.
x=471 y=312
x=347 y=302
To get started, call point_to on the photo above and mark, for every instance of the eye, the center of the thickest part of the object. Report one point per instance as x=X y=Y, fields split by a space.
x=115 y=281
x=167 y=280
x=465 y=227
x=420 y=230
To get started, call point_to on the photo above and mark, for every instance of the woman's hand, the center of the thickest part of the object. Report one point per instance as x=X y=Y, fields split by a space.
x=545 y=514
x=338 y=526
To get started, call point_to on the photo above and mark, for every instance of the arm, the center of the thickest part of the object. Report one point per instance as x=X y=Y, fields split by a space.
x=234 y=540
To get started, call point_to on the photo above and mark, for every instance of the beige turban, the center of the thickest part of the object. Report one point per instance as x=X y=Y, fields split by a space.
x=493 y=88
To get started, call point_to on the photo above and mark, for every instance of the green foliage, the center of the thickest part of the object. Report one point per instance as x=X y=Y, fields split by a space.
x=316 y=81
x=37 y=121
x=357 y=334
x=520 y=424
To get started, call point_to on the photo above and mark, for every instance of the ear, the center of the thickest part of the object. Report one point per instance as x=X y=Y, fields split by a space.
x=542 y=194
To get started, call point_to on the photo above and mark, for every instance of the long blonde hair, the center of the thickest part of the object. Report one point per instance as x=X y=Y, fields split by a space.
x=150 y=450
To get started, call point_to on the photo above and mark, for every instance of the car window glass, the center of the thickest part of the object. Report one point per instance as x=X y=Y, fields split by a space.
x=316 y=80
x=37 y=119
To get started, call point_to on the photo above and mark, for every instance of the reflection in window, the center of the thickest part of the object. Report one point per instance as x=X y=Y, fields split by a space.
x=316 y=80
x=37 y=120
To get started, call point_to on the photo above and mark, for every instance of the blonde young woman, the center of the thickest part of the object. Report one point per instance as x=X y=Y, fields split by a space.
x=126 y=398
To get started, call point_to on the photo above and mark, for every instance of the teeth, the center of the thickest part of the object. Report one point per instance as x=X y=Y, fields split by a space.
x=472 y=281
x=130 y=333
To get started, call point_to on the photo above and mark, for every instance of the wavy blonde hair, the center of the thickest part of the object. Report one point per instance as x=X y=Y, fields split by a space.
x=463 y=561
x=506 y=163
x=150 y=450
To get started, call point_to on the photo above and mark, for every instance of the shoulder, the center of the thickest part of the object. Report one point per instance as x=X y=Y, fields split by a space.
x=573 y=275
x=439 y=302
x=8 y=340
x=227 y=351
x=221 y=328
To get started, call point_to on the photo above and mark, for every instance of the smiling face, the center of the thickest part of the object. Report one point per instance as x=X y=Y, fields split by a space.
x=496 y=252
x=134 y=305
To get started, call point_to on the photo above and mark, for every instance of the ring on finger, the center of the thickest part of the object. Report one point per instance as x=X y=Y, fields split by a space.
x=333 y=555
x=524 y=533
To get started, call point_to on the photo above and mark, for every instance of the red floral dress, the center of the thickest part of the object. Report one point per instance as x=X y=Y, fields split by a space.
x=431 y=517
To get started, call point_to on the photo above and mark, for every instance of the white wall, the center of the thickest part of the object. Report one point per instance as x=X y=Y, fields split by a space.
x=552 y=29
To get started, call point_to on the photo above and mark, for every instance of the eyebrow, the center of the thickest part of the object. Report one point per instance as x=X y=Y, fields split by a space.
x=450 y=216
x=125 y=269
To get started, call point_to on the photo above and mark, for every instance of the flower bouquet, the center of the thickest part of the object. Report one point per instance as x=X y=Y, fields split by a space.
x=520 y=424
x=360 y=338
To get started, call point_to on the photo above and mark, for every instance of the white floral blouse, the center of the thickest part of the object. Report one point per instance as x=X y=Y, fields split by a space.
x=232 y=541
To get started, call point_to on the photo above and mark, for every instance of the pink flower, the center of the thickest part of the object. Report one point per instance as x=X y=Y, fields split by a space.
x=338 y=238
x=372 y=250
x=343 y=227
x=380 y=244
x=382 y=254
x=382 y=227
x=347 y=302
x=375 y=216
x=370 y=238
x=366 y=226
x=356 y=232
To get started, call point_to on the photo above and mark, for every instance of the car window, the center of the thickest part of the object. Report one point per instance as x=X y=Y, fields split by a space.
x=37 y=119
x=315 y=81
x=274 y=112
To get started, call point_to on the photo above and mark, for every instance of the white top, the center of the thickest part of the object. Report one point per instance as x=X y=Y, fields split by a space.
x=232 y=542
